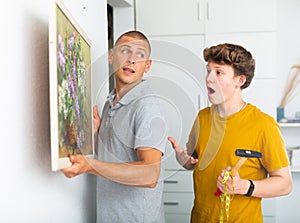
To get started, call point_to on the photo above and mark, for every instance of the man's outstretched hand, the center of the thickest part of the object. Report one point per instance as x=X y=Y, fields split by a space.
x=182 y=157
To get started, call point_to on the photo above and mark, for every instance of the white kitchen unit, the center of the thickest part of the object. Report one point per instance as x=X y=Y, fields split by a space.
x=193 y=25
x=240 y=16
x=291 y=132
x=180 y=17
x=170 y=17
x=178 y=194
x=287 y=205
x=269 y=209
x=178 y=75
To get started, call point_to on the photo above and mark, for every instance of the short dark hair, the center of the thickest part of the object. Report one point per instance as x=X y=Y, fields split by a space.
x=235 y=55
x=137 y=35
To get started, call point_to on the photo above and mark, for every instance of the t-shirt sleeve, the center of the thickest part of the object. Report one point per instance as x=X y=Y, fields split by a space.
x=274 y=149
x=150 y=124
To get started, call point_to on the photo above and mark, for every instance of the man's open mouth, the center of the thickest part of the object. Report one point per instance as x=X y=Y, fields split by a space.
x=128 y=70
x=210 y=90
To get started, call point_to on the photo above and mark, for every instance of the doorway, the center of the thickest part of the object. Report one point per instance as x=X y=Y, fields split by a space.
x=110 y=42
x=120 y=18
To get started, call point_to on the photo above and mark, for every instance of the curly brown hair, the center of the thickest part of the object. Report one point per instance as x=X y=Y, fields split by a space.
x=234 y=55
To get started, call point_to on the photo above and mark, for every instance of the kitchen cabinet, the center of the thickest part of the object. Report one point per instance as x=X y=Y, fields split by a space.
x=290 y=133
x=178 y=196
x=170 y=17
x=237 y=16
x=287 y=205
x=178 y=75
x=179 y=31
x=269 y=209
x=252 y=24
x=179 y=17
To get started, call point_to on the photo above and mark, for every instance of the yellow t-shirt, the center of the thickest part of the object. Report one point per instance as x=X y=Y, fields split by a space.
x=248 y=129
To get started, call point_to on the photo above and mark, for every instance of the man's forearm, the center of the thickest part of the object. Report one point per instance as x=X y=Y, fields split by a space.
x=275 y=185
x=132 y=174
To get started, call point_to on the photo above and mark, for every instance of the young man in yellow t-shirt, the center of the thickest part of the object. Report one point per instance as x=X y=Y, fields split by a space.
x=230 y=124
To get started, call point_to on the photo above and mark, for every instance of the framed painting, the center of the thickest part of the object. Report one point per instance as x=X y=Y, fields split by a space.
x=71 y=117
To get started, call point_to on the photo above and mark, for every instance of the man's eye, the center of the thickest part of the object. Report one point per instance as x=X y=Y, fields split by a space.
x=125 y=51
x=140 y=55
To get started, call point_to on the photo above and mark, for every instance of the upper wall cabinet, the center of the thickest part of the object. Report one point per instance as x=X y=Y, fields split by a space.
x=231 y=16
x=171 y=17
x=179 y=17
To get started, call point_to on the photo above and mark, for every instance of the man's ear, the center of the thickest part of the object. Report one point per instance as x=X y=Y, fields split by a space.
x=242 y=80
x=110 y=56
x=148 y=65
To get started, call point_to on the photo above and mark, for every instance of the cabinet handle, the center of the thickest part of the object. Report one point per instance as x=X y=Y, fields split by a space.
x=198 y=11
x=207 y=11
x=171 y=181
x=171 y=203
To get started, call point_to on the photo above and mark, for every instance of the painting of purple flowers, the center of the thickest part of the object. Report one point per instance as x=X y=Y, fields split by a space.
x=70 y=89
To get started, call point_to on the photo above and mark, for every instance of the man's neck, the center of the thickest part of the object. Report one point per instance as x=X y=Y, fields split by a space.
x=227 y=110
x=121 y=90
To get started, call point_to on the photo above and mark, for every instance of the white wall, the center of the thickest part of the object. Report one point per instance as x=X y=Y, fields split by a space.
x=288 y=48
x=289 y=54
x=30 y=192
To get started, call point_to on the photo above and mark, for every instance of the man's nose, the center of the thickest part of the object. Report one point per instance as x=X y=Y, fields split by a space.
x=209 y=76
x=131 y=59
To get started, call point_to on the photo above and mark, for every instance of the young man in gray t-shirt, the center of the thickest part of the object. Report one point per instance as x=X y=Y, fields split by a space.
x=132 y=135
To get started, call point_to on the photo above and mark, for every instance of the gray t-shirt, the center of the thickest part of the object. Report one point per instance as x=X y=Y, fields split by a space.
x=136 y=121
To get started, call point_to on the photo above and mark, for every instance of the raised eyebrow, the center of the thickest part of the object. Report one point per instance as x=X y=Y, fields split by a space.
x=124 y=46
x=130 y=47
x=142 y=49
